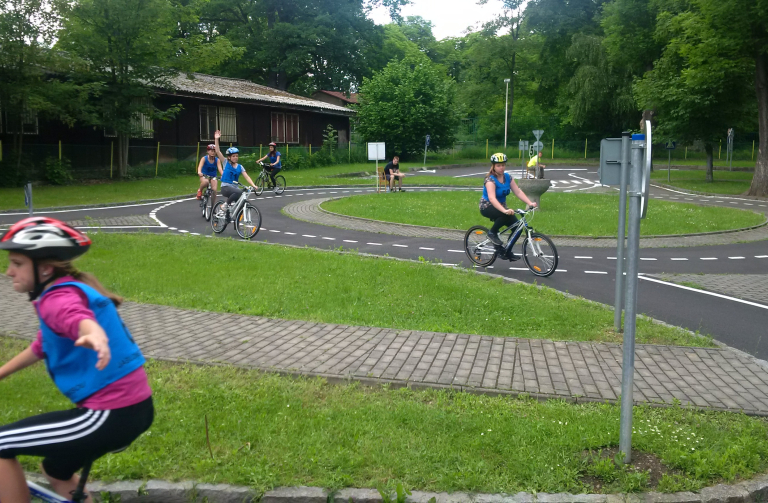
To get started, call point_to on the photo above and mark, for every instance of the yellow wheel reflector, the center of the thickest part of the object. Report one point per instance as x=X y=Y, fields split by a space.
x=478 y=232
x=538 y=269
x=537 y=239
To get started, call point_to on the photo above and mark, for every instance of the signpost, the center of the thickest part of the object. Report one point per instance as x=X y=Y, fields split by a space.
x=377 y=152
x=426 y=144
x=523 y=147
x=729 y=149
x=28 y=197
x=638 y=173
x=670 y=147
x=537 y=148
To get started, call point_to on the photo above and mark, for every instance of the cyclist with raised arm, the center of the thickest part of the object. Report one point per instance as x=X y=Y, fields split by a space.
x=275 y=164
x=209 y=166
x=231 y=174
x=493 y=205
x=89 y=353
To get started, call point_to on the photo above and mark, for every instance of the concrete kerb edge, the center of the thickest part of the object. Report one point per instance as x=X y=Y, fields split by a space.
x=712 y=194
x=750 y=491
x=556 y=236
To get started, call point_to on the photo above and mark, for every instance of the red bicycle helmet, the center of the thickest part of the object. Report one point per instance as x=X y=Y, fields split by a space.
x=273 y=144
x=211 y=146
x=43 y=237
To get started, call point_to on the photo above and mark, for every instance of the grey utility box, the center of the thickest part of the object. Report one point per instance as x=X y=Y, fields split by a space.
x=610 y=162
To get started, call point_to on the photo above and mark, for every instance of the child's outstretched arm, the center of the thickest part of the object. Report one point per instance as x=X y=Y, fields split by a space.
x=18 y=362
x=92 y=336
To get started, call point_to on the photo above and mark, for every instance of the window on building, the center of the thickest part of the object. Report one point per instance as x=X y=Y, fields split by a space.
x=141 y=123
x=29 y=123
x=285 y=128
x=214 y=118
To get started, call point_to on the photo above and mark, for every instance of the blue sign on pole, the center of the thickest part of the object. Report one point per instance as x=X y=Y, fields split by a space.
x=427 y=140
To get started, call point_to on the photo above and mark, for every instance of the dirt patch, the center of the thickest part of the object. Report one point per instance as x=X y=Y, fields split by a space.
x=605 y=480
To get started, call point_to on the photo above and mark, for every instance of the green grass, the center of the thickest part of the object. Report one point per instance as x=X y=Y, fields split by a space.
x=563 y=214
x=267 y=431
x=725 y=182
x=307 y=284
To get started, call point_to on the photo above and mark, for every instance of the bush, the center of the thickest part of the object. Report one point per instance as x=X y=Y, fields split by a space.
x=58 y=171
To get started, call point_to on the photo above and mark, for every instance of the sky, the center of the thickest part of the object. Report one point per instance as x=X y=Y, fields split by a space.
x=450 y=18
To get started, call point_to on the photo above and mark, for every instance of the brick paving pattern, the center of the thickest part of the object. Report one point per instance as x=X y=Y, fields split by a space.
x=581 y=371
x=310 y=211
x=132 y=220
x=744 y=286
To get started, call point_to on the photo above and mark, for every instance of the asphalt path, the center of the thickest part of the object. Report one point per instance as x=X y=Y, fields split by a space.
x=586 y=272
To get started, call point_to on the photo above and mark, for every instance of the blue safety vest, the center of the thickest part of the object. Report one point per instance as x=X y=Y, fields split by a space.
x=502 y=189
x=209 y=168
x=73 y=369
x=231 y=174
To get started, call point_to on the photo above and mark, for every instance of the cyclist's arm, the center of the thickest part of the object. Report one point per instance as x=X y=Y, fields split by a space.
x=216 y=136
x=200 y=167
x=491 y=189
x=92 y=336
x=218 y=165
x=520 y=194
x=19 y=362
x=276 y=161
x=245 y=175
x=262 y=158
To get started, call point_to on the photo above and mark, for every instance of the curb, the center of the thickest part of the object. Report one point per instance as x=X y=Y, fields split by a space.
x=157 y=491
x=713 y=194
x=103 y=205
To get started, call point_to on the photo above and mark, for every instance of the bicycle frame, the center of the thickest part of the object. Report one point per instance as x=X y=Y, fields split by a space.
x=517 y=230
x=241 y=200
x=47 y=496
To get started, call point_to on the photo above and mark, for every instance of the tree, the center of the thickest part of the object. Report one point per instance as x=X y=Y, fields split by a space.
x=697 y=87
x=27 y=31
x=406 y=101
x=123 y=50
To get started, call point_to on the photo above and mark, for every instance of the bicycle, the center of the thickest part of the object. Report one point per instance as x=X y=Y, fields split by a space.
x=207 y=196
x=40 y=493
x=264 y=180
x=539 y=252
x=246 y=216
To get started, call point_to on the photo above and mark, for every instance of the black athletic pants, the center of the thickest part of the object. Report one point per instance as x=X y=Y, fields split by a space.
x=231 y=193
x=499 y=219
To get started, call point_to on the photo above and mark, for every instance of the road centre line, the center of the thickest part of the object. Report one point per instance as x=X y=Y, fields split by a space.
x=518 y=268
x=704 y=292
x=611 y=258
x=374 y=244
x=761 y=256
x=647 y=258
x=736 y=258
x=349 y=241
x=272 y=230
x=424 y=248
x=582 y=256
x=708 y=258
x=330 y=239
x=400 y=246
x=678 y=258
x=473 y=174
x=456 y=251
x=595 y=272
x=308 y=236
x=290 y=233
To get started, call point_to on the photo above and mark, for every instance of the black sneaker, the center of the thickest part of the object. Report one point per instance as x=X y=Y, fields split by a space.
x=512 y=257
x=402 y=190
x=494 y=239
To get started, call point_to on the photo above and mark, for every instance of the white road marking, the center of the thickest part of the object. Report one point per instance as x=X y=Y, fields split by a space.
x=194 y=233
x=518 y=268
x=400 y=246
x=647 y=258
x=582 y=256
x=708 y=258
x=423 y=248
x=761 y=256
x=308 y=236
x=748 y=204
x=473 y=174
x=456 y=251
x=561 y=270
x=272 y=230
x=595 y=272
x=736 y=258
x=184 y=232
x=172 y=228
x=349 y=241
x=291 y=233
x=330 y=239
x=374 y=244
x=713 y=294
x=678 y=258
x=612 y=258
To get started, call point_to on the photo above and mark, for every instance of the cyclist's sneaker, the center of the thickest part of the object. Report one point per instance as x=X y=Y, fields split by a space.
x=402 y=190
x=512 y=257
x=494 y=238
x=199 y=194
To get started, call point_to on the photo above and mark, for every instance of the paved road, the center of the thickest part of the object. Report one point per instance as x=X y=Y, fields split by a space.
x=584 y=271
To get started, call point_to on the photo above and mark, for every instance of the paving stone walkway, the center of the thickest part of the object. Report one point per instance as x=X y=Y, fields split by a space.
x=310 y=211
x=719 y=379
x=744 y=286
x=125 y=221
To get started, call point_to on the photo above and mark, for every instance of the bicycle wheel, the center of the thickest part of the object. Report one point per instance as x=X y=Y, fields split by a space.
x=478 y=247
x=260 y=185
x=204 y=204
x=218 y=218
x=207 y=210
x=279 y=184
x=248 y=221
x=540 y=254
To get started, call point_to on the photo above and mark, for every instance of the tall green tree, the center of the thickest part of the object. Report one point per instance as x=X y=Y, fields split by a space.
x=124 y=50
x=27 y=30
x=406 y=101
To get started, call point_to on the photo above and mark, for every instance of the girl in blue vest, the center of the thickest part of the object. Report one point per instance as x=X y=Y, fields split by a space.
x=275 y=164
x=231 y=175
x=498 y=185
x=209 y=165
x=89 y=353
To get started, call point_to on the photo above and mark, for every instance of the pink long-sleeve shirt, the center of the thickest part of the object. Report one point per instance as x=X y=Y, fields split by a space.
x=62 y=310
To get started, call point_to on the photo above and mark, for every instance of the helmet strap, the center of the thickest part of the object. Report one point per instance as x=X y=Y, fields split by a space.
x=39 y=286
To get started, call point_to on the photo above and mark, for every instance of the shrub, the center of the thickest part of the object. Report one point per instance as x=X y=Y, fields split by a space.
x=58 y=171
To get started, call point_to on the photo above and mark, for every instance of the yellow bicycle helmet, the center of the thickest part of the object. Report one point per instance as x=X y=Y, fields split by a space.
x=498 y=158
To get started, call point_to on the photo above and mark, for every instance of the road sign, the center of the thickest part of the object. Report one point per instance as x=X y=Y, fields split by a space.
x=671 y=145
x=645 y=185
x=376 y=151
x=609 y=172
x=538 y=146
x=537 y=133
x=427 y=140
x=522 y=145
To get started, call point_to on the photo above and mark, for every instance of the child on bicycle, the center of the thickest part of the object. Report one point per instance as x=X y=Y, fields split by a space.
x=231 y=175
x=89 y=353
x=493 y=205
x=210 y=166
x=275 y=165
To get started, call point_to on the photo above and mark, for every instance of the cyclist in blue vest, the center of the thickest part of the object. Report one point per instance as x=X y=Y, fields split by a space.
x=209 y=165
x=275 y=164
x=231 y=175
x=493 y=205
x=89 y=353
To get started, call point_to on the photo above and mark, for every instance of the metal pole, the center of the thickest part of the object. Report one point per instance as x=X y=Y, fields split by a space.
x=197 y=155
x=621 y=245
x=59 y=150
x=553 y=148
x=425 y=154
x=111 y=157
x=633 y=250
x=506 y=115
x=669 y=165
x=585 y=147
x=157 y=159
x=28 y=190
